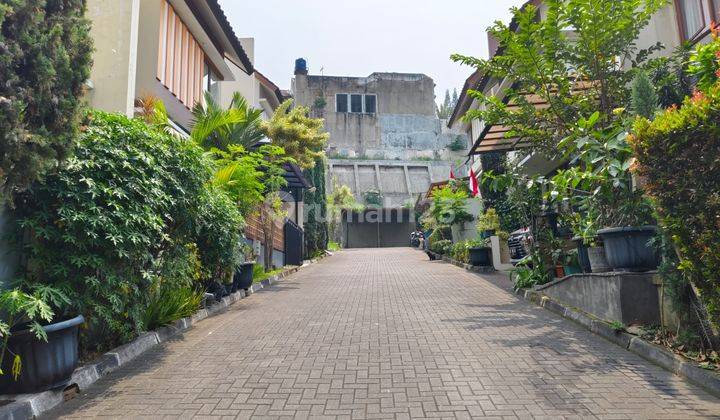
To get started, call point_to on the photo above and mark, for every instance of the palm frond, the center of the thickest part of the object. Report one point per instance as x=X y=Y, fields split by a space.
x=220 y=128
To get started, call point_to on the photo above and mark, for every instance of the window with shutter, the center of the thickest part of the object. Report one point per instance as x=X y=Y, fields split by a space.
x=181 y=61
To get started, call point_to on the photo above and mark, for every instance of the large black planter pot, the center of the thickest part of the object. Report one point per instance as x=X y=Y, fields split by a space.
x=481 y=257
x=487 y=233
x=629 y=249
x=45 y=365
x=583 y=258
x=244 y=276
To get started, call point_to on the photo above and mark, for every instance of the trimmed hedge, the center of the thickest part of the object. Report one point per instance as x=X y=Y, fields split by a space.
x=678 y=160
x=121 y=218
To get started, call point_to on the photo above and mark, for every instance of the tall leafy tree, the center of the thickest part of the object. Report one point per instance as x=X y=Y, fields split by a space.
x=575 y=72
x=445 y=109
x=45 y=58
x=302 y=137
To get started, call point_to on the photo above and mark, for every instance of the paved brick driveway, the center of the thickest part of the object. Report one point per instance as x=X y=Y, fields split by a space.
x=388 y=334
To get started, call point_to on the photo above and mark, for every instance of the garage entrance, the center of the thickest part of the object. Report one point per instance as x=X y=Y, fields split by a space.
x=378 y=228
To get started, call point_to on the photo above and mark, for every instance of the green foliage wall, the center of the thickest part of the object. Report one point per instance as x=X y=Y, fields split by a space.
x=316 y=226
x=45 y=58
x=679 y=161
x=121 y=217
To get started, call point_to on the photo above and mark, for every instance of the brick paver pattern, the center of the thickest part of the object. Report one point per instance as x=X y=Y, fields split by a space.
x=388 y=334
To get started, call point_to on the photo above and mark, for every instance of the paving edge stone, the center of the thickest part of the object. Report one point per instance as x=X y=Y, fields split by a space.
x=706 y=379
x=28 y=406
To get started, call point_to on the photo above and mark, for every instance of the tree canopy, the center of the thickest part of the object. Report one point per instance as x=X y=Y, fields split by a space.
x=45 y=59
x=302 y=137
x=575 y=72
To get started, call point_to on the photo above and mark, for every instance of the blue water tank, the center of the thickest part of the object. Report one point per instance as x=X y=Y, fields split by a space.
x=301 y=66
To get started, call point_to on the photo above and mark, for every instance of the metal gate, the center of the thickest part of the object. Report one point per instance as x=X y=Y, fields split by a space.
x=378 y=228
x=294 y=243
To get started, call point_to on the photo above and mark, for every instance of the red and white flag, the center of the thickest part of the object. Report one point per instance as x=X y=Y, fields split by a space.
x=474 y=187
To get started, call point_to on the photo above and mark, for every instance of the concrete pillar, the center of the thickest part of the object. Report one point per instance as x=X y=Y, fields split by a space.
x=356 y=172
x=407 y=179
x=378 y=184
x=497 y=261
x=115 y=35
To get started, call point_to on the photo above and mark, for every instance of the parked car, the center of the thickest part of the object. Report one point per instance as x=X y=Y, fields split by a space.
x=519 y=243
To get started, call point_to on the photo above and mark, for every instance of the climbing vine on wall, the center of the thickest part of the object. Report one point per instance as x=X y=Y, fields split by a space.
x=316 y=227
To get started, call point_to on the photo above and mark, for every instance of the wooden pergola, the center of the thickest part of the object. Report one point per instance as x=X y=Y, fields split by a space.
x=499 y=138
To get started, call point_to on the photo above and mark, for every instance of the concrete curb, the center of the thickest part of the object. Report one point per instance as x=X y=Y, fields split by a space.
x=687 y=369
x=28 y=406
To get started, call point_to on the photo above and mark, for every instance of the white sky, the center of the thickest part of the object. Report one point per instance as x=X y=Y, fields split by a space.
x=356 y=38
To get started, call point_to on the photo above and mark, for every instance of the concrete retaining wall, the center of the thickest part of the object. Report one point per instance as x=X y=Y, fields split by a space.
x=629 y=298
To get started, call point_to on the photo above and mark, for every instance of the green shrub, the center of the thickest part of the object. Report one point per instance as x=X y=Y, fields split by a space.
x=259 y=273
x=219 y=238
x=45 y=59
x=170 y=304
x=442 y=247
x=457 y=144
x=704 y=62
x=118 y=219
x=439 y=234
x=529 y=272
x=679 y=162
x=373 y=198
x=460 y=252
x=449 y=205
x=489 y=221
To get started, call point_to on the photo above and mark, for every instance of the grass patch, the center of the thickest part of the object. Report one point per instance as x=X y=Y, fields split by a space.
x=259 y=273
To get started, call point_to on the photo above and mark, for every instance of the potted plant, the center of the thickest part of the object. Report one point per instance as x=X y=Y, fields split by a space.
x=480 y=253
x=628 y=235
x=571 y=265
x=557 y=254
x=488 y=223
x=243 y=277
x=629 y=248
x=611 y=194
x=590 y=250
x=35 y=354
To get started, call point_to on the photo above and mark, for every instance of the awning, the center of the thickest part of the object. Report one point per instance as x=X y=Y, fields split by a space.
x=499 y=138
x=294 y=177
